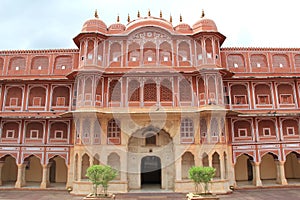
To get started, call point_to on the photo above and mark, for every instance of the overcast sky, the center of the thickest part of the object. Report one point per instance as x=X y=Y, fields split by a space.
x=47 y=24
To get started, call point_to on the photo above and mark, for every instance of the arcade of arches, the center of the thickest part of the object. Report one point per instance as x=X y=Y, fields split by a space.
x=32 y=173
x=269 y=170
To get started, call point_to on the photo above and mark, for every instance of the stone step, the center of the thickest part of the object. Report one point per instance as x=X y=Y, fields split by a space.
x=151 y=196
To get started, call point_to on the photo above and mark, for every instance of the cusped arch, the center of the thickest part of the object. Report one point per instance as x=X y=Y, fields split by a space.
x=4 y=156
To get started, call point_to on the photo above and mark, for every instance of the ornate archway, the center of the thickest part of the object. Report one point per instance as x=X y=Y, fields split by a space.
x=150 y=158
x=151 y=170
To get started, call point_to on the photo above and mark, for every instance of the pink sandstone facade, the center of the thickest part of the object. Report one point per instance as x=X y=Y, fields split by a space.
x=151 y=100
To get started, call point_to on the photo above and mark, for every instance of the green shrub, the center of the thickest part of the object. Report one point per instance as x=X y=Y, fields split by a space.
x=201 y=175
x=101 y=175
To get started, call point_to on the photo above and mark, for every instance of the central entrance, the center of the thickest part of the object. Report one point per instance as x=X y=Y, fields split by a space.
x=151 y=170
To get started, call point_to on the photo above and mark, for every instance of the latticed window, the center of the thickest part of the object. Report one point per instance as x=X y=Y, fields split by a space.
x=280 y=61
x=187 y=130
x=203 y=128
x=166 y=91
x=113 y=129
x=235 y=61
x=150 y=91
x=185 y=90
x=214 y=127
x=134 y=90
x=297 y=60
x=258 y=61
x=1 y=63
x=115 y=91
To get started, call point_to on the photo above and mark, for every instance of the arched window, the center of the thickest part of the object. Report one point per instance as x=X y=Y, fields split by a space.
x=187 y=131
x=185 y=91
x=115 y=93
x=203 y=130
x=166 y=91
x=150 y=139
x=113 y=132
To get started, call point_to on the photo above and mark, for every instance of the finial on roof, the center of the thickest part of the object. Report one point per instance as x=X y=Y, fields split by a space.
x=149 y=13
x=118 y=18
x=139 y=14
x=171 y=18
x=128 y=18
x=203 y=14
x=180 y=18
x=96 y=14
x=160 y=14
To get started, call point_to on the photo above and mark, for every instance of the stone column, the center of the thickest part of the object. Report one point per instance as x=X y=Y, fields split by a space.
x=21 y=176
x=45 y=179
x=69 y=175
x=280 y=173
x=1 y=165
x=222 y=167
x=256 y=174
x=79 y=168
x=178 y=169
x=209 y=160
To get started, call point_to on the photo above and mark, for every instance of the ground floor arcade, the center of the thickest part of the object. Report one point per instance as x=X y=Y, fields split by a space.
x=31 y=173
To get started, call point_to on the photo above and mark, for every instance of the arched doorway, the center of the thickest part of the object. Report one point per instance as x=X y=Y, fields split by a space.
x=159 y=144
x=243 y=170
x=268 y=168
x=9 y=170
x=58 y=172
x=292 y=168
x=150 y=170
x=33 y=171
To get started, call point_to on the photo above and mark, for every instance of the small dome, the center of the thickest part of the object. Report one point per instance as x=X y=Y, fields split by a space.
x=94 y=25
x=149 y=21
x=116 y=28
x=205 y=24
x=183 y=28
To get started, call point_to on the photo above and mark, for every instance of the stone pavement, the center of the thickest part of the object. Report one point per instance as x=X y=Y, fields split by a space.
x=251 y=194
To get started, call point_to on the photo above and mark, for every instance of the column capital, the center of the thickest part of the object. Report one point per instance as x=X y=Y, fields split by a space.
x=280 y=162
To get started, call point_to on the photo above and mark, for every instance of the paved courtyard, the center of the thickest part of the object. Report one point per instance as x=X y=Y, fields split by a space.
x=257 y=194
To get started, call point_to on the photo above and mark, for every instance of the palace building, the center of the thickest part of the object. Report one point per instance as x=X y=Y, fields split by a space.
x=151 y=99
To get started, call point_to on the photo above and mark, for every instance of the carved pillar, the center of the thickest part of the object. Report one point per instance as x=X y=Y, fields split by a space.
x=256 y=173
x=280 y=173
x=21 y=176
x=45 y=179
x=1 y=165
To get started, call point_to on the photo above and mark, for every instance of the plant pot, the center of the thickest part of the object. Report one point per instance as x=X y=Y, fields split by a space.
x=99 y=197
x=209 y=196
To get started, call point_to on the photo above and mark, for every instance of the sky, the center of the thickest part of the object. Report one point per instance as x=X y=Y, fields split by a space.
x=52 y=24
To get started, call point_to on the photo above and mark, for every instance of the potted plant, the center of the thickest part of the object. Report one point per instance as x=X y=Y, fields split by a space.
x=201 y=175
x=100 y=175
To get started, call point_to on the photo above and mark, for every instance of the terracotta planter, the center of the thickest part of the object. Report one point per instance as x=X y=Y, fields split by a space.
x=99 y=197
x=192 y=196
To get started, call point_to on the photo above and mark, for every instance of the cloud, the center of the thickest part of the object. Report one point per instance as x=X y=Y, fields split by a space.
x=35 y=24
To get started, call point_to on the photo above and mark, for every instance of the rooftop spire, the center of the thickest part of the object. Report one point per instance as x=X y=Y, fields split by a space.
x=139 y=14
x=96 y=14
x=149 y=13
x=160 y=14
x=118 y=18
x=203 y=14
x=171 y=18
x=180 y=18
x=128 y=18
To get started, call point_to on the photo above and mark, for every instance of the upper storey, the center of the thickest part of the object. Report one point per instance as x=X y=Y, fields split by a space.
x=149 y=41
x=261 y=61
x=37 y=64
